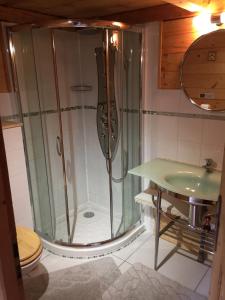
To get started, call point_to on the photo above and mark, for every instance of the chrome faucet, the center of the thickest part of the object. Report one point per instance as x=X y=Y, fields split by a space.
x=209 y=165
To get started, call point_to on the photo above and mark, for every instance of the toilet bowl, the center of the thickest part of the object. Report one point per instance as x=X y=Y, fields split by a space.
x=30 y=248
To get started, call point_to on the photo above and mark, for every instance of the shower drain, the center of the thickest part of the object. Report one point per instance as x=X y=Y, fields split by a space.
x=89 y=214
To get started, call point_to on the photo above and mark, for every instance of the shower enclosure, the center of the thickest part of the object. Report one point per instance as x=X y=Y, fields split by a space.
x=79 y=95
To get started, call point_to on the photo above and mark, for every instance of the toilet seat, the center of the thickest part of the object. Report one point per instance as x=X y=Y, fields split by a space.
x=30 y=248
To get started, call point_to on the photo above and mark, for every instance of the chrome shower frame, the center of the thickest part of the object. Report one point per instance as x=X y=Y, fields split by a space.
x=78 y=24
x=18 y=97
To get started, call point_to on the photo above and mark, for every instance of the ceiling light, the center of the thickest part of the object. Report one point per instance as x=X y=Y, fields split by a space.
x=203 y=23
x=222 y=17
x=118 y=24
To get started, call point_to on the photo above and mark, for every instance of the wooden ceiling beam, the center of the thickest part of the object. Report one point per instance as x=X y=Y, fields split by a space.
x=21 y=16
x=150 y=14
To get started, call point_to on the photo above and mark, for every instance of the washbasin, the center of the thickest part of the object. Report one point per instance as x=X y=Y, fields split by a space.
x=181 y=178
x=193 y=183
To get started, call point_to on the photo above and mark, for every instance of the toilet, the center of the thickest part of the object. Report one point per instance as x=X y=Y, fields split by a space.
x=30 y=248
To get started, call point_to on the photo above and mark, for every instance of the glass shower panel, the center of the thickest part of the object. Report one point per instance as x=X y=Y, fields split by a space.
x=128 y=94
x=80 y=102
x=53 y=139
x=71 y=122
x=132 y=125
x=80 y=62
x=23 y=57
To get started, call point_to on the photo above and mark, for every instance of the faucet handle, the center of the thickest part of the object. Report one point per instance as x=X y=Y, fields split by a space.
x=210 y=163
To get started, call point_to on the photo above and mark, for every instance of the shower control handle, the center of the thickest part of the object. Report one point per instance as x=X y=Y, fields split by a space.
x=58 y=145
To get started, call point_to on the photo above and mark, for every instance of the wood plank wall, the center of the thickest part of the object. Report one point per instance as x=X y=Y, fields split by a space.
x=176 y=37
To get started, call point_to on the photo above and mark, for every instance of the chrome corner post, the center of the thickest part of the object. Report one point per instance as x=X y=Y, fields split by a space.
x=61 y=135
x=141 y=116
x=157 y=228
x=107 y=41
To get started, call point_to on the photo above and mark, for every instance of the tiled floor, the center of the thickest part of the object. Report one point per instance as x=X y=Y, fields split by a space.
x=179 y=267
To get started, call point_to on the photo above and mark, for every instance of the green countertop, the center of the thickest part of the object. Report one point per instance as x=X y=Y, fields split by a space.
x=181 y=178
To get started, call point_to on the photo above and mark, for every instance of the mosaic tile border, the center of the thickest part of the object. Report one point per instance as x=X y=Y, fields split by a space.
x=144 y=112
x=184 y=115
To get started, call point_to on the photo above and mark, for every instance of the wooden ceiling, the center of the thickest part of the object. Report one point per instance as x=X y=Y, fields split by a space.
x=130 y=11
x=80 y=8
x=213 y=6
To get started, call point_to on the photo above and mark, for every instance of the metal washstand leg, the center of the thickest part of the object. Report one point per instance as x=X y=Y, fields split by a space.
x=157 y=228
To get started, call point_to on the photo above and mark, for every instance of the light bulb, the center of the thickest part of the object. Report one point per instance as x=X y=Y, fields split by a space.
x=117 y=24
x=222 y=17
x=12 y=48
x=115 y=39
x=202 y=23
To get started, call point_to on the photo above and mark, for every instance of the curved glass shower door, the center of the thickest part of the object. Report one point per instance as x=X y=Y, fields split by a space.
x=77 y=53
x=80 y=94
x=126 y=90
x=32 y=56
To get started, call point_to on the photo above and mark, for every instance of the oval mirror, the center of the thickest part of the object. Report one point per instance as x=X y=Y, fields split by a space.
x=203 y=71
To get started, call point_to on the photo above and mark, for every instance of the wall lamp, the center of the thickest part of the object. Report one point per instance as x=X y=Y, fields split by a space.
x=218 y=19
x=206 y=22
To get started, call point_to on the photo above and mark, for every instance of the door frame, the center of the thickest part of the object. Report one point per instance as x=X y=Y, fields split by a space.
x=11 y=283
x=217 y=288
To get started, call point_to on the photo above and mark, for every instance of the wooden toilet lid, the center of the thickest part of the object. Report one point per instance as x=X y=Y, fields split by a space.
x=29 y=244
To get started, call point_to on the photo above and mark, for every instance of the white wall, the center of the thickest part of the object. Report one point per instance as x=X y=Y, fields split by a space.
x=16 y=161
x=97 y=176
x=18 y=176
x=8 y=104
x=179 y=138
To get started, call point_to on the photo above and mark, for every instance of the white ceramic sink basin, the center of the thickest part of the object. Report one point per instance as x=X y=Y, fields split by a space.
x=181 y=178
x=205 y=184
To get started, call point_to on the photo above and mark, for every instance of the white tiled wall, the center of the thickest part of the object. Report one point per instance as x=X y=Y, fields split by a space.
x=76 y=65
x=184 y=139
x=18 y=176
